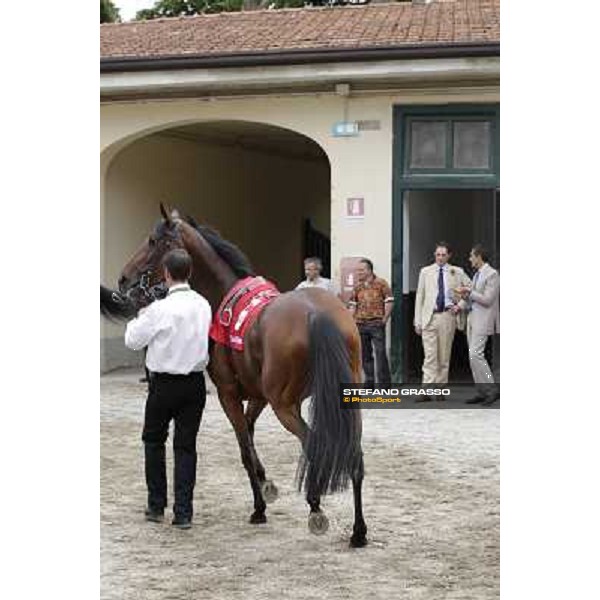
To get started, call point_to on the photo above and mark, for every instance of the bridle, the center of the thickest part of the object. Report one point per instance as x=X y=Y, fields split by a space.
x=143 y=290
x=151 y=292
x=144 y=293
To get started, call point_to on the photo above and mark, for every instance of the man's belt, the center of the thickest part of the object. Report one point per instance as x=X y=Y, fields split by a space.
x=177 y=376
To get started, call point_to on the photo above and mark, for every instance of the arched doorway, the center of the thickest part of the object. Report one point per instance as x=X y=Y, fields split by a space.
x=263 y=187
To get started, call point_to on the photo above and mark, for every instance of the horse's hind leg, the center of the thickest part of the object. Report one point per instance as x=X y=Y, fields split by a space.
x=234 y=409
x=268 y=488
x=359 y=532
x=291 y=418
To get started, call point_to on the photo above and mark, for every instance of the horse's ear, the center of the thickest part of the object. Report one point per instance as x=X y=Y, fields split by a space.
x=165 y=214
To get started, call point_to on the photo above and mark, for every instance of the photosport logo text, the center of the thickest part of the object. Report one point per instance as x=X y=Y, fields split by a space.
x=422 y=396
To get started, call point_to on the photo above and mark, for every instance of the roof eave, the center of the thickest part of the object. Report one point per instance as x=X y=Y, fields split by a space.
x=298 y=57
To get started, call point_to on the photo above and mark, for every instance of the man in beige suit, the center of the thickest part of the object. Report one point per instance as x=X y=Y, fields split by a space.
x=439 y=310
x=483 y=297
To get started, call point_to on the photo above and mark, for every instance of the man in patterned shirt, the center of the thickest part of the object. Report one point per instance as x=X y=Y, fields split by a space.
x=371 y=304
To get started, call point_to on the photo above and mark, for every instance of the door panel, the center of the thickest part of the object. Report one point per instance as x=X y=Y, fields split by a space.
x=461 y=218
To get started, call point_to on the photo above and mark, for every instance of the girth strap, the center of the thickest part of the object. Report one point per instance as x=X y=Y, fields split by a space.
x=226 y=311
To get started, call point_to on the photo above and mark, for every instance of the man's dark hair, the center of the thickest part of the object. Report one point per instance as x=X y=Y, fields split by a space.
x=479 y=250
x=178 y=263
x=443 y=244
x=367 y=262
x=315 y=260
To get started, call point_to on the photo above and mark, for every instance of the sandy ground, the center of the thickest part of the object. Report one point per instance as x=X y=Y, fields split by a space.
x=431 y=499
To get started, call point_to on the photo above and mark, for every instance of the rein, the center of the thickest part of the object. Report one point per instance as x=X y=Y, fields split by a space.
x=147 y=292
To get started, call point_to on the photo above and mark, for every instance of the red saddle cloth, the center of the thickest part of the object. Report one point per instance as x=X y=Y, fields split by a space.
x=239 y=309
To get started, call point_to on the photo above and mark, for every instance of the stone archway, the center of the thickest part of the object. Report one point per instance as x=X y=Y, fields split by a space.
x=254 y=182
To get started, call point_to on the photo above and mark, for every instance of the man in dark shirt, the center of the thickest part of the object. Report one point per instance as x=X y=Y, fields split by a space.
x=371 y=304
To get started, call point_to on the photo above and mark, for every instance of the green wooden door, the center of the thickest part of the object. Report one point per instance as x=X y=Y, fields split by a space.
x=437 y=148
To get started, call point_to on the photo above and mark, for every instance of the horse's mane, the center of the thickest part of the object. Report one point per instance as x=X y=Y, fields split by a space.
x=229 y=252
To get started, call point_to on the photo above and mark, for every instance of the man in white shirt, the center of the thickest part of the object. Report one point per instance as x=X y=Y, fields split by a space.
x=312 y=269
x=175 y=331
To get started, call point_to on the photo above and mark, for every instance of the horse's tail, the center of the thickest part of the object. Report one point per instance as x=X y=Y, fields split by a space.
x=114 y=306
x=332 y=450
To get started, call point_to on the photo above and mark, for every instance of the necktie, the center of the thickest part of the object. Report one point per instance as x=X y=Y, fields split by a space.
x=440 y=302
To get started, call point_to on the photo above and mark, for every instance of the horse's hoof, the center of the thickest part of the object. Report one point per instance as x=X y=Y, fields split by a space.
x=258 y=518
x=269 y=491
x=358 y=540
x=318 y=523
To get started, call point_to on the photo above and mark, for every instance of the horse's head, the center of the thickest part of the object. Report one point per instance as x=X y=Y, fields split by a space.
x=142 y=278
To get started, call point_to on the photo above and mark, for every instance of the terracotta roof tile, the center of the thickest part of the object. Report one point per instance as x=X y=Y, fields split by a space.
x=394 y=24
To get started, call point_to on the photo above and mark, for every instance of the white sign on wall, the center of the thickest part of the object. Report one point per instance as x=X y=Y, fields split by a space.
x=349 y=277
x=355 y=208
x=345 y=129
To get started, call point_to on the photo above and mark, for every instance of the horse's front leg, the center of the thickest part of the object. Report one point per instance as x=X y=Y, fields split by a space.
x=269 y=489
x=234 y=409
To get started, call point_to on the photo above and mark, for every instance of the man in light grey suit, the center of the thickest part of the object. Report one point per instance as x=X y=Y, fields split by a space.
x=483 y=297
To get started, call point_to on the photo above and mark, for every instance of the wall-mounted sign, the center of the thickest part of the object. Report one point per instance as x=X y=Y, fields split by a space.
x=344 y=129
x=368 y=125
x=349 y=277
x=355 y=208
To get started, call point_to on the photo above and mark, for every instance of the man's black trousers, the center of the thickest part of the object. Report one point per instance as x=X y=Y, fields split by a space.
x=181 y=398
x=372 y=338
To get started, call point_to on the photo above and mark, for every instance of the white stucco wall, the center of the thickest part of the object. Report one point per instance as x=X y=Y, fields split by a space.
x=360 y=166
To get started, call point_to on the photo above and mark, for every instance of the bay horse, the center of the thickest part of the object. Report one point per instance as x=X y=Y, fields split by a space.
x=303 y=343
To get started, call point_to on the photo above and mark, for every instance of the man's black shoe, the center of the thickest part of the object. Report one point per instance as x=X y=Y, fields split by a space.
x=493 y=398
x=182 y=522
x=156 y=516
x=475 y=400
